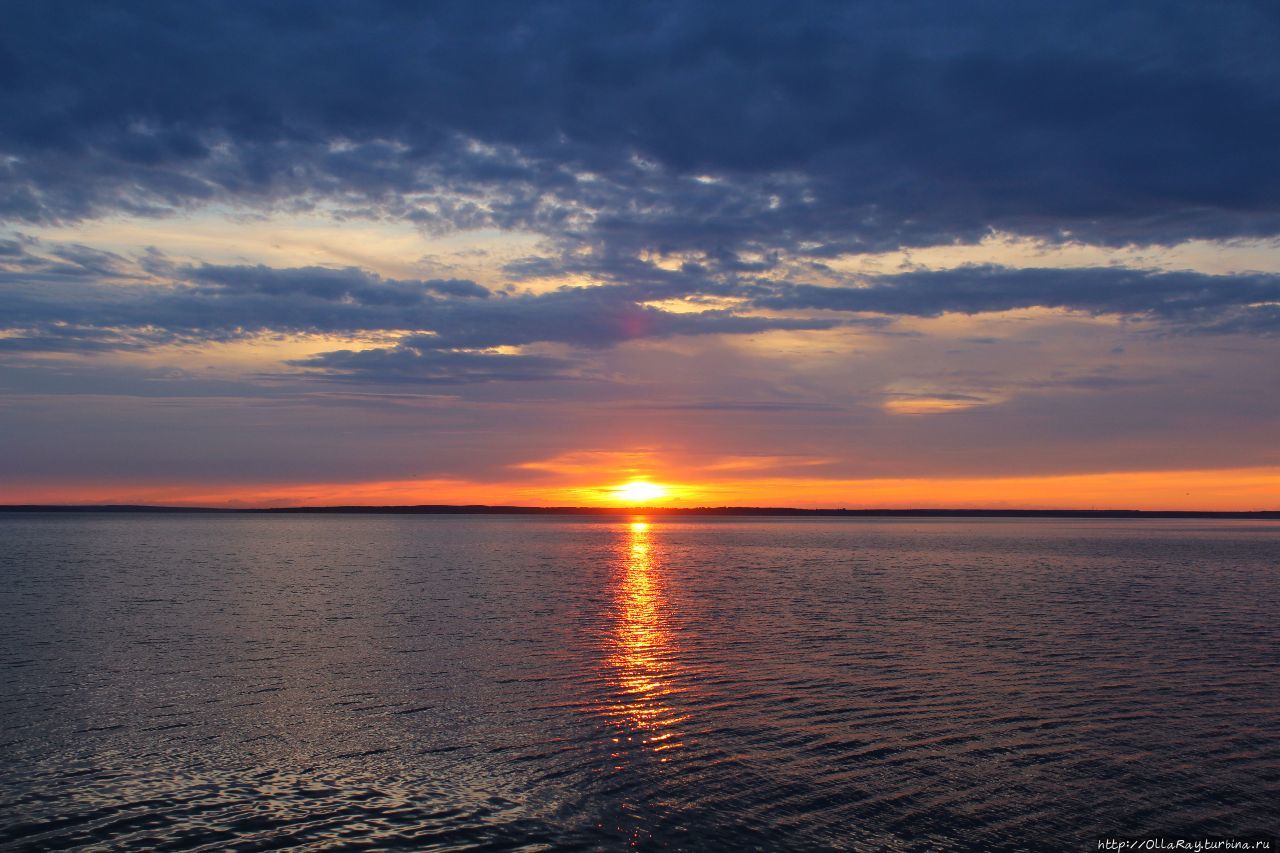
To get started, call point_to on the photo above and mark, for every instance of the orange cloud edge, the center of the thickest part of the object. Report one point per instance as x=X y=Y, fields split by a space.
x=1210 y=490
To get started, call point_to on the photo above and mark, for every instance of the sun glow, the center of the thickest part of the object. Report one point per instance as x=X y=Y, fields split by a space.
x=639 y=492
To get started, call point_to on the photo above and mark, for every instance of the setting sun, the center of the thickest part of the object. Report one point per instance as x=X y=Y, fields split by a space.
x=639 y=491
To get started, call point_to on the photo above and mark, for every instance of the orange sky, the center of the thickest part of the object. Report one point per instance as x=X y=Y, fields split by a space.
x=1232 y=490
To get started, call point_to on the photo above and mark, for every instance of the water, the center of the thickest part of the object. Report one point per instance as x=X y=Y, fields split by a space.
x=370 y=681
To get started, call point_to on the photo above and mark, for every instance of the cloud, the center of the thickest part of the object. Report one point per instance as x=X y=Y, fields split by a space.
x=71 y=299
x=808 y=129
x=1187 y=300
x=593 y=317
x=413 y=363
x=70 y=292
x=706 y=167
x=347 y=284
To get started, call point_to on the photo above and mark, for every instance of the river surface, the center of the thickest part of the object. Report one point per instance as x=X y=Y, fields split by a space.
x=249 y=682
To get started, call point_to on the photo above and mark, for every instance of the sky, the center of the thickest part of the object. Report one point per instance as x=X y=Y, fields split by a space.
x=924 y=254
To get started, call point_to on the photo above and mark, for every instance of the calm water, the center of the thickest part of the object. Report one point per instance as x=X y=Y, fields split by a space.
x=250 y=682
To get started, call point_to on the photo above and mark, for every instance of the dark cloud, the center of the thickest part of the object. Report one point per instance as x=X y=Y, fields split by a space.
x=416 y=363
x=714 y=128
x=592 y=317
x=68 y=291
x=26 y=261
x=81 y=340
x=67 y=299
x=1189 y=300
x=72 y=299
x=349 y=284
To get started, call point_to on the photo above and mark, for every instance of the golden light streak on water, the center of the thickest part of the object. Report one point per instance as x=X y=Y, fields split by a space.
x=642 y=646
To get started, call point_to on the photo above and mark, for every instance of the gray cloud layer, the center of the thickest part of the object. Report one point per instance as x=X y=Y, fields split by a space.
x=825 y=126
x=73 y=299
x=1190 y=300
x=790 y=132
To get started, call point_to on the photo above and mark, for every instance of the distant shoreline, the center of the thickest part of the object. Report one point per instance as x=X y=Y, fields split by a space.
x=481 y=509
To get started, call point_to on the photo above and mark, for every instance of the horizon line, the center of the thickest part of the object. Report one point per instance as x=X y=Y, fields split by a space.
x=504 y=509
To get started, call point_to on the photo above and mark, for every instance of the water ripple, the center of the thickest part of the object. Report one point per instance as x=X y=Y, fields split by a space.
x=199 y=683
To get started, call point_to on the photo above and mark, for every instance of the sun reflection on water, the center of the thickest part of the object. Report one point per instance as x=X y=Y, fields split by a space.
x=642 y=646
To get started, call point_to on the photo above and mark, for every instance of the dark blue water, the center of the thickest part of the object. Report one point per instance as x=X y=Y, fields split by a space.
x=234 y=682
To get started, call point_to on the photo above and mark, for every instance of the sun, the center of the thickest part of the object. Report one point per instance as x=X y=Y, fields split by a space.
x=639 y=491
